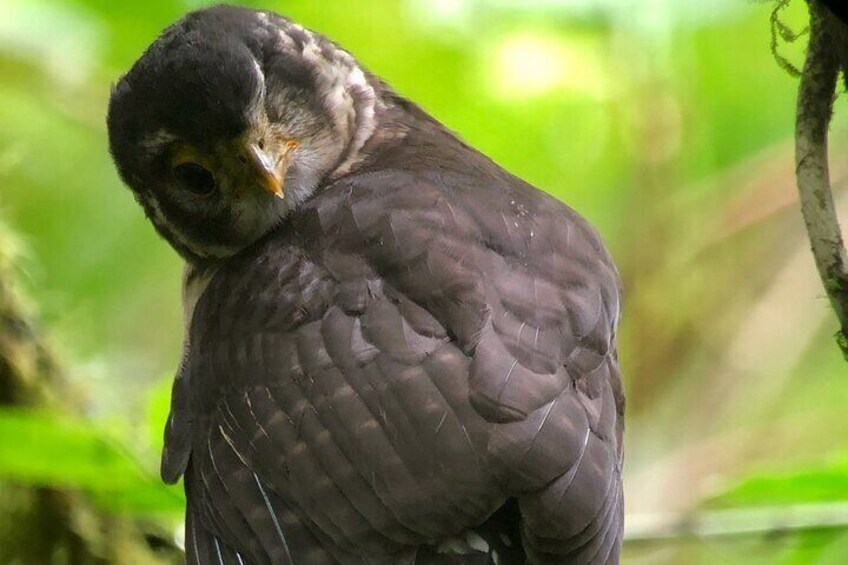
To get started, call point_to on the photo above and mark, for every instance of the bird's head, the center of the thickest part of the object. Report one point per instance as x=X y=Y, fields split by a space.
x=231 y=119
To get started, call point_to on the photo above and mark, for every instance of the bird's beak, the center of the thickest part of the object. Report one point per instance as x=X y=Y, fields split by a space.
x=270 y=170
x=268 y=165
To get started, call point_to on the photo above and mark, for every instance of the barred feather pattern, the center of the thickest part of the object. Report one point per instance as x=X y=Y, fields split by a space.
x=419 y=366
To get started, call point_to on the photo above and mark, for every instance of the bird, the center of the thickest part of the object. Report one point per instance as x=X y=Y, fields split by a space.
x=395 y=351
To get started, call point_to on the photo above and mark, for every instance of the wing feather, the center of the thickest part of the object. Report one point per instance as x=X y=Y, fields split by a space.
x=391 y=366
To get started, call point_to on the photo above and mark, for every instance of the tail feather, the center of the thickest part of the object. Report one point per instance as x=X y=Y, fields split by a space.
x=203 y=548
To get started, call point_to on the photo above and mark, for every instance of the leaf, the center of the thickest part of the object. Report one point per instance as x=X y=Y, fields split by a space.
x=42 y=449
x=828 y=483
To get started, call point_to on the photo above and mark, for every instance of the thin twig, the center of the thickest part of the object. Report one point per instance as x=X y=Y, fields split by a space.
x=815 y=100
x=738 y=522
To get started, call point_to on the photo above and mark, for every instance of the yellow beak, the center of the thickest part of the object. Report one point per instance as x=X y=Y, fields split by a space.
x=269 y=170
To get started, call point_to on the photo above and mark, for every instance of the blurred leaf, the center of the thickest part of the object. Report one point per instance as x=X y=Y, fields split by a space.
x=158 y=407
x=43 y=449
x=828 y=483
x=824 y=547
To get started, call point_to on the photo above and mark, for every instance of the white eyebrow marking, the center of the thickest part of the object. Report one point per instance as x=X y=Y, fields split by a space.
x=157 y=139
x=256 y=103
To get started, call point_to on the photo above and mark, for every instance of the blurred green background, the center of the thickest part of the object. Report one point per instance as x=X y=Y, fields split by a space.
x=667 y=123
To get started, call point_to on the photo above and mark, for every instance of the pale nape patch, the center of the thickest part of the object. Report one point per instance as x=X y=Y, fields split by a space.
x=348 y=97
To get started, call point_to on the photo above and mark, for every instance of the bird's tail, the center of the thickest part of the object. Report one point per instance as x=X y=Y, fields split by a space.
x=203 y=547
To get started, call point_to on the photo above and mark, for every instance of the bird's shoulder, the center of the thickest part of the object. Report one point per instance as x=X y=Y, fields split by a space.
x=485 y=307
x=476 y=253
x=449 y=193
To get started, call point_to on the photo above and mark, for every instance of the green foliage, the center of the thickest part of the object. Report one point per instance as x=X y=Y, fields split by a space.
x=46 y=449
x=822 y=484
x=669 y=126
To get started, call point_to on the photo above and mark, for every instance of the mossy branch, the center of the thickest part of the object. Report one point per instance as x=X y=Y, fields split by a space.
x=814 y=110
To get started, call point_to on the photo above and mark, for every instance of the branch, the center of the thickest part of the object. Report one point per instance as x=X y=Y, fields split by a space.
x=737 y=522
x=815 y=98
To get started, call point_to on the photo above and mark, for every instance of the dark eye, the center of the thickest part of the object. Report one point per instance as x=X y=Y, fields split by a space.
x=195 y=178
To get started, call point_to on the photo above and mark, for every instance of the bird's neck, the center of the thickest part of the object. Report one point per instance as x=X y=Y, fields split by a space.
x=363 y=121
x=196 y=278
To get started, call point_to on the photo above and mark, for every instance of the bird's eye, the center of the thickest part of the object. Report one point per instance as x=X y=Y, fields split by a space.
x=195 y=178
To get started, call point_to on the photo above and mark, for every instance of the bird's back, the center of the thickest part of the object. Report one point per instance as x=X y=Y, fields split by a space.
x=428 y=342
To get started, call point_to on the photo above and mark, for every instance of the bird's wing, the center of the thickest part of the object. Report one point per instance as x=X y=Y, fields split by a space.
x=525 y=288
x=326 y=410
x=519 y=281
x=346 y=374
